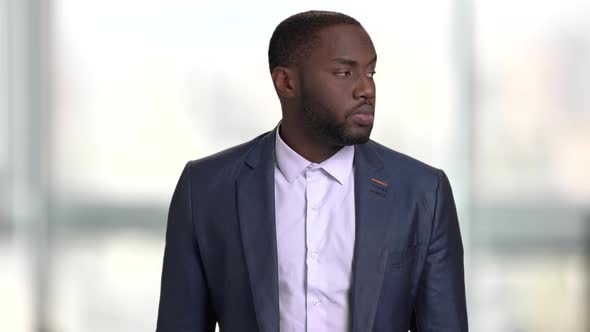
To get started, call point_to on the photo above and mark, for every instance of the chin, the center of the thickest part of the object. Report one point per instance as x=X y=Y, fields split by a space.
x=360 y=134
x=361 y=139
x=357 y=138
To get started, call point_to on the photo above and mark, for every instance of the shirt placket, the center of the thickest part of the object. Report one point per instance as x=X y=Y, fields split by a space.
x=315 y=310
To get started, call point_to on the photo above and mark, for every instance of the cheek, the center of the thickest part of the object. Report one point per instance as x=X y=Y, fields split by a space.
x=339 y=94
x=333 y=104
x=334 y=96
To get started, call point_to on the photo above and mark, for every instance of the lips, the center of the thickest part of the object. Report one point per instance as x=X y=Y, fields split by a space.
x=364 y=116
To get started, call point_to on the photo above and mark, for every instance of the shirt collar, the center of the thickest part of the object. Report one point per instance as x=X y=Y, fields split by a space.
x=292 y=164
x=339 y=165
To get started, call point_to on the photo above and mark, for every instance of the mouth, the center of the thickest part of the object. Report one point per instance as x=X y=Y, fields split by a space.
x=364 y=115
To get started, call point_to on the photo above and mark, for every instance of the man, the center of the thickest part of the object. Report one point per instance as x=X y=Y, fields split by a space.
x=312 y=226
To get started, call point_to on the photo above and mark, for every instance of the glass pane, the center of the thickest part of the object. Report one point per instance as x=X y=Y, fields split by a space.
x=531 y=187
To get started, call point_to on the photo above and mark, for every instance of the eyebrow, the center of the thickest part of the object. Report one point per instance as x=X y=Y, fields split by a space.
x=349 y=62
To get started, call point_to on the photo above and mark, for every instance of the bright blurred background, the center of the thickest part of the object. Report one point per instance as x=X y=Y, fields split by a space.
x=103 y=102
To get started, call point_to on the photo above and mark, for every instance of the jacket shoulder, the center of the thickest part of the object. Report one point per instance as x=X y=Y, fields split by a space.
x=224 y=164
x=409 y=170
x=395 y=158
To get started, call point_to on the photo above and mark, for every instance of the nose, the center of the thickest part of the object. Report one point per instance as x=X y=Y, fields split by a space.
x=365 y=89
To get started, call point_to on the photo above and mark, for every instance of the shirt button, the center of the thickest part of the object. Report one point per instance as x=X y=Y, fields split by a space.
x=314 y=255
x=315 y=206
x=316 y=302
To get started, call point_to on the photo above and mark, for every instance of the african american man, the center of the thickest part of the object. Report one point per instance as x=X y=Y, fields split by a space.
x=313 y=226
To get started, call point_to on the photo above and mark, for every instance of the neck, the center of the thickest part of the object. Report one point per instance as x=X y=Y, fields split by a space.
x=305 y=143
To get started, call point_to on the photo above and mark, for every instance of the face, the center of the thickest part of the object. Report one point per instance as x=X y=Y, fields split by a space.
x=337 y=91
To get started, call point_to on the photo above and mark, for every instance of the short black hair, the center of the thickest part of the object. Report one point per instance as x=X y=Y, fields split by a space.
x=296 y=35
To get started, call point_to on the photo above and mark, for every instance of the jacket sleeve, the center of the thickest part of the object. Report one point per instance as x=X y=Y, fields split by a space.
x=184 y=299
x=440 y=303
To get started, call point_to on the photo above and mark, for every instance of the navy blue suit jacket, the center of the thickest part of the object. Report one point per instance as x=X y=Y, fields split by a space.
x=220 y=261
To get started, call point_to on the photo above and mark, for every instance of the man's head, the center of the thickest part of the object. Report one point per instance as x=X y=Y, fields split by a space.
x=322 y=65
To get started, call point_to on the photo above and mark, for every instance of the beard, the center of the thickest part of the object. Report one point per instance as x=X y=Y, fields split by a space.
x=324 y=124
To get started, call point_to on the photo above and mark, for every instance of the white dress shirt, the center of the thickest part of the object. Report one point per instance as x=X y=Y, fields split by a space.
x=315 y=224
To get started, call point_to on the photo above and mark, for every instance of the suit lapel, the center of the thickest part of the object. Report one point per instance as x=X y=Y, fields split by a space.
x=255 y=195
x=374 y=199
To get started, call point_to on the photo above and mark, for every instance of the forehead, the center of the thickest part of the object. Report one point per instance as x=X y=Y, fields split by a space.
x=342 y=41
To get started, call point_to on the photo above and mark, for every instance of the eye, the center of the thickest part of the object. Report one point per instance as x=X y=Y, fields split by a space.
x=343 y=73
x=371 y=74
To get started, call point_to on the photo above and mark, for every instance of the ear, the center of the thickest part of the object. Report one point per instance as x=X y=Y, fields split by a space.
x=285 y=81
